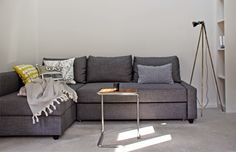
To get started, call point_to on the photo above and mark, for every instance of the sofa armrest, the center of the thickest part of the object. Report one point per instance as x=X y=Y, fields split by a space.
x=9 y=82
x=192 y=100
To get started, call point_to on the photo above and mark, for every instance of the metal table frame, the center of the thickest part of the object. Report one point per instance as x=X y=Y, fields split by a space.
x=116 y=93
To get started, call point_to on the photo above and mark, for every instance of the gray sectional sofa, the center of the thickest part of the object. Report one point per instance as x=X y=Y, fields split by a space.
x=157 y=101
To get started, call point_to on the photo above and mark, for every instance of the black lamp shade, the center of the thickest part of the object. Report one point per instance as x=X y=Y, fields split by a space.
x=197 y=23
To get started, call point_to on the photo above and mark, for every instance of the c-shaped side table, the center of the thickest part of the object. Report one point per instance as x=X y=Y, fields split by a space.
x=112 y=92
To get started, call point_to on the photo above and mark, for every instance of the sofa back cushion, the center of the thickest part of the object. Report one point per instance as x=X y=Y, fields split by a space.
x=158 y=61
x=79 y=68
x=109 y=69
x=9 y=82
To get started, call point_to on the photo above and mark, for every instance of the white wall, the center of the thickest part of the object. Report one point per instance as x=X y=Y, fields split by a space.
x=230 y=54
x=18 y=31
x=64 y=28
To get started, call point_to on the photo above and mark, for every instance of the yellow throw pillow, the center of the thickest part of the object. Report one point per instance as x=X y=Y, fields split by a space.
x=26 y=72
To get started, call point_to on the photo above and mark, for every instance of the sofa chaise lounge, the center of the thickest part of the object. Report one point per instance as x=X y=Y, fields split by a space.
x=157 y=101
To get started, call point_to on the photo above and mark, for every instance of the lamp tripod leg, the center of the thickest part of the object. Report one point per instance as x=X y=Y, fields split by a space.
x=213 y=70
x=195 y=57
x=202 y=75
x=203 y=36
x=200 y=39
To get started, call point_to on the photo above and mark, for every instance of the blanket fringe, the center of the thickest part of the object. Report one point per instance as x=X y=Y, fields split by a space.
x=57 y=101
x=54 y=107
x=45 y=112
x=65 y=97
x=50 y=110
x=68 y=94
x=35 y=119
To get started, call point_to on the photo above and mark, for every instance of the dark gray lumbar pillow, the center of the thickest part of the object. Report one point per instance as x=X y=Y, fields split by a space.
x=155 y=74
x=109 y=69
x=158 y=61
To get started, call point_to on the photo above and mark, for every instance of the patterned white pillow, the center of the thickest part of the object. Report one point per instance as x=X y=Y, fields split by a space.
x=67 y=68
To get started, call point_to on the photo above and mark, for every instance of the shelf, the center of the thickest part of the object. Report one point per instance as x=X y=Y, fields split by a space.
x=220 y=52
x=220 y=21
x=221 y=49
x=222 y=77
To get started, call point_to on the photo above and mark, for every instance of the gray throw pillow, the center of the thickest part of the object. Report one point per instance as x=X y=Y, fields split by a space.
x=158 y=61
x=155 y=74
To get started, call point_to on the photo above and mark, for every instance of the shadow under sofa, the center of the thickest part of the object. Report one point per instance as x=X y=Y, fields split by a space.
x=157 y=101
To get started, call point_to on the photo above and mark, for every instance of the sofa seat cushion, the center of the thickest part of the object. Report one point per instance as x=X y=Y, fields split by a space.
x=148 y=93
x=159 y=92
x=76 y=86
x=13 y=105
x=88 y=93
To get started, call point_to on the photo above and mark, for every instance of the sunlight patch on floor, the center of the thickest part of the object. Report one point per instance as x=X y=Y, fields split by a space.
x=144 y=143
x=133 y=133
x=164 y=124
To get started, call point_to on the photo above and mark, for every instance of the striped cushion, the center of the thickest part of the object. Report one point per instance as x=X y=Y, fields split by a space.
x=26 y=72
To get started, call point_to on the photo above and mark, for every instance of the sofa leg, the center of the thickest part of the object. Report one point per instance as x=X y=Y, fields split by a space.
x=56 y=137
x=191 y=121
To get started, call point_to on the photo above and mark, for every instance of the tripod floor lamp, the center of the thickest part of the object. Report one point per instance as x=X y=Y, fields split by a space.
x=202 y=40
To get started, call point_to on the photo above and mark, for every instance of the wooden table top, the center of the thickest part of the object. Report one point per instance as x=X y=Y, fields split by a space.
x=113 y=91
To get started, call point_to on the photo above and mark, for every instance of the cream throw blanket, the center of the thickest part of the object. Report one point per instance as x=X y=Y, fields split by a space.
x=42 y=94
